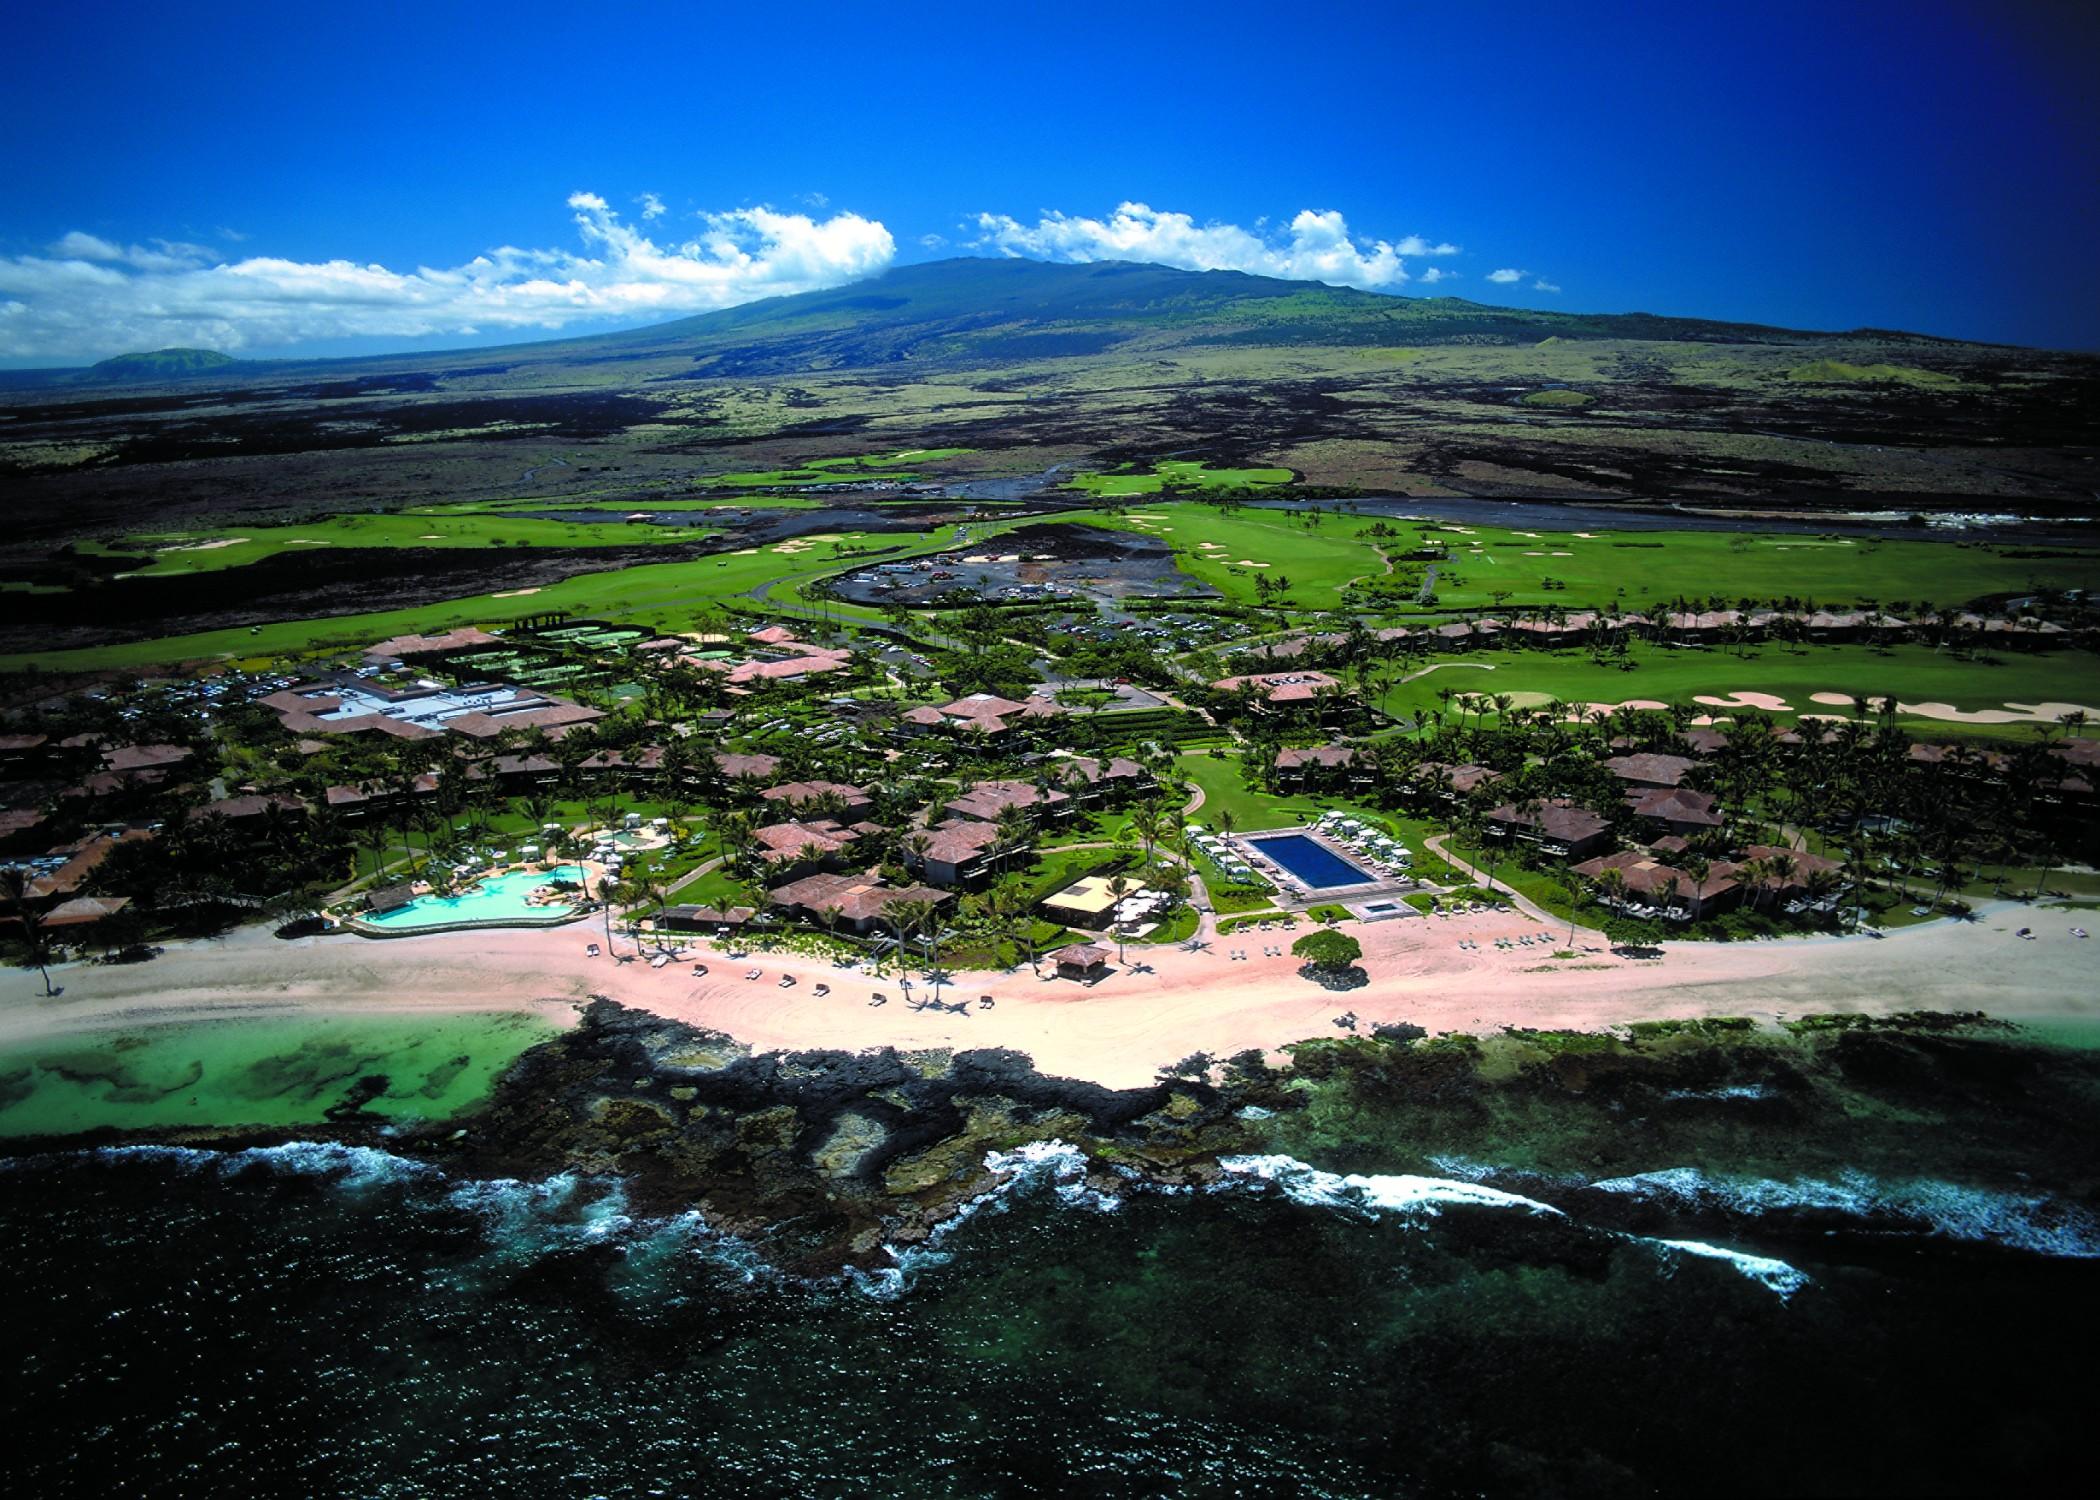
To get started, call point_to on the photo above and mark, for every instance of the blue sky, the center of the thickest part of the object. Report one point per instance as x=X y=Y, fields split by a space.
x=300 y=179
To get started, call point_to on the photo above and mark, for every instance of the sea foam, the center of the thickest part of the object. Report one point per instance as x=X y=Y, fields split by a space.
x=2035 y=1223
x=1422 y=1197
x=1775 y=1275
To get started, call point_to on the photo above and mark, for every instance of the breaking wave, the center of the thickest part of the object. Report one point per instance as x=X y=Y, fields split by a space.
x=2033 y=1223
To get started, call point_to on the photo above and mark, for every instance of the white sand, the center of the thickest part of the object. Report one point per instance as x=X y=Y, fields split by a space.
x=1834 y=700
x=1117 y=1032
x=1629 y=703
x=2012 y=713
x=1588 y=536
x=1770 y=703
x=212 y=546
x=431 y=536
x=515 y=593
x=1248 y=562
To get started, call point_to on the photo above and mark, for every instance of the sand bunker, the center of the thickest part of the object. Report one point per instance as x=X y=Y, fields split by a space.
x=1835 y=700
x=1214 y=546
x=1442 y=666
x=1588 y=536
x=1248 y=562
x=1563 y=554
x=307 y=541
x=224 y=541
x=2012 y=713
x=515 y=593
x=431 y=536
x=1582 y=709
x=747 y=552
x=1708 y=721
x=1770 y=703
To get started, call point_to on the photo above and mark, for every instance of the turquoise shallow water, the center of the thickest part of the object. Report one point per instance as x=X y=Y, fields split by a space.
x=497 y=899
x=257 y=1072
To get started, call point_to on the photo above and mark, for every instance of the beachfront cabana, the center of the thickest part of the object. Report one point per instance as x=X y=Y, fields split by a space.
x=1085 y=962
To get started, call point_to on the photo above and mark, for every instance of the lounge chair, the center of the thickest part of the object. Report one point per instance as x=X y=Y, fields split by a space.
x=820 y=990
x=787 y=981
x=754 y=974
x=699 y=971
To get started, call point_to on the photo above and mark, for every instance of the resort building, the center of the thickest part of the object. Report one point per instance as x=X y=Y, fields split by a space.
x=855 y=902
x=746 y=768
x=1085 y=962
x=1443 y=782
x=833 y=798
x=353 y=704
x=1297 y=689
x=986 y=800
x=1090 y=781
x=465 y=638
x=955 y=853
x=988 y=712
x=1321 y=766
x=784 y=847
x=1649 y=884
x=1558 y=828
x=1648 y=770
x=1675 y=811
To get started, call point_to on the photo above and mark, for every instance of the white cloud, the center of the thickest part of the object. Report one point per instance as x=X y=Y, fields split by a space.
x=1318 y=245
x=88 y=297
x=1543 y=285
x=1506 y=276
x=652 y=206
x=1435 y=274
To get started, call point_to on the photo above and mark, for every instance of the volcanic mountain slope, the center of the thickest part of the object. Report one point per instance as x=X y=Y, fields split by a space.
x=1040 y=369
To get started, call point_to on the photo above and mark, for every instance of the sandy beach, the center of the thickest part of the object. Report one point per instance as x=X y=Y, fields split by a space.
x=1162 y=1006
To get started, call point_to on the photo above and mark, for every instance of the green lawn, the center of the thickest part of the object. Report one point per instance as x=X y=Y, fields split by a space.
x=1498 y=567
x=236 y=547
x=833 y=470
x=1180 y=472
x=1915 y=675
x=670 y=595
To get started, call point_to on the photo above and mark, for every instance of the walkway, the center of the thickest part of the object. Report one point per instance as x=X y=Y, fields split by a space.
x=1434 y=843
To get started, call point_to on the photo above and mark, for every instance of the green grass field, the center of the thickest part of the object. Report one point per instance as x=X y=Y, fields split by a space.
x=1489 y=567
x=671 y=595
x=1838 y=372
x=835 y=470
x=1180 y=472
x=1915 y=675
x=217 y=551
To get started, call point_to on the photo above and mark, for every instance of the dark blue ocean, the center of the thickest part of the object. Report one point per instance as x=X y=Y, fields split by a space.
x=321 y=1320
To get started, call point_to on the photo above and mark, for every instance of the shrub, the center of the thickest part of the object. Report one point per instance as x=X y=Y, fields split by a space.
x=1328 y=949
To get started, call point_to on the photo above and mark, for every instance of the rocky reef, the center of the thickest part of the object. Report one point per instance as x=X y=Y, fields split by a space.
x=822 y=1158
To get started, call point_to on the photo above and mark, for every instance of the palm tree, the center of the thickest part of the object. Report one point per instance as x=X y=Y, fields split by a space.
x=1118 y=888
x=14 y=884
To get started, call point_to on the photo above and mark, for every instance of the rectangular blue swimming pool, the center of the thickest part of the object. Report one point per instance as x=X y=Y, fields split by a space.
x=1315 y=864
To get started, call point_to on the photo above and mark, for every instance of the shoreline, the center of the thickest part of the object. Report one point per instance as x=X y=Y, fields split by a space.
x=1118 y=1033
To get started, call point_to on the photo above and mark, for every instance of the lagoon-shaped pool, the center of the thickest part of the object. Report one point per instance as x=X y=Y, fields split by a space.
x=499 y=899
